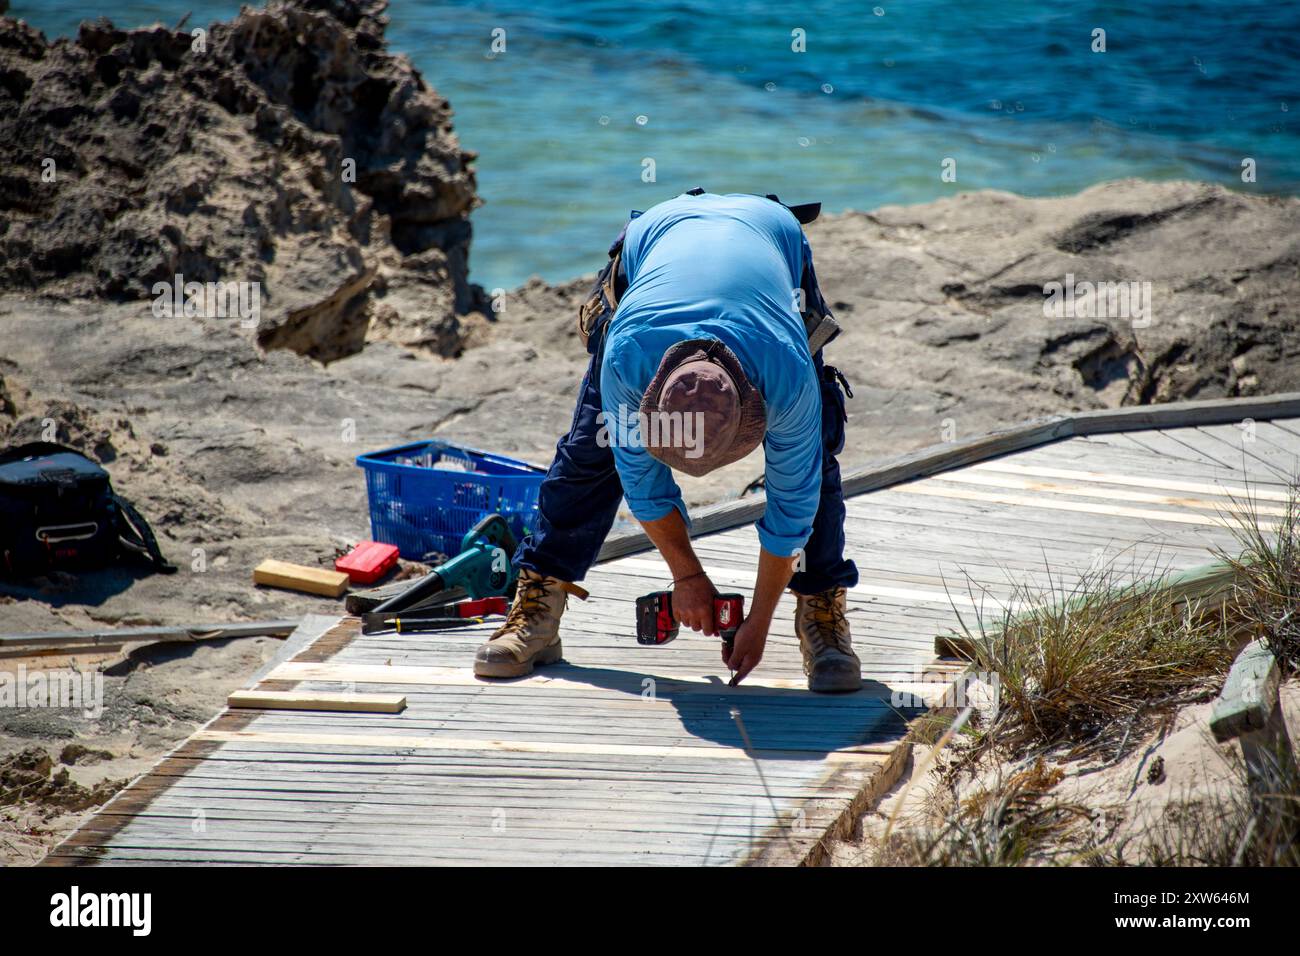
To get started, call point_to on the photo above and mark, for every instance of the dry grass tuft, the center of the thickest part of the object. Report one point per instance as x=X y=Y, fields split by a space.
x=1267 y=593
x=1093 y=664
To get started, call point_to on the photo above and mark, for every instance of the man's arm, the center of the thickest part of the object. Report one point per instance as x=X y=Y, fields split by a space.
x=656 y=502
x=692 y=590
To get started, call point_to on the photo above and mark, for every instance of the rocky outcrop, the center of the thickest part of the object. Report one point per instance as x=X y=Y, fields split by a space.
x=1195 y=290
x=287 y=148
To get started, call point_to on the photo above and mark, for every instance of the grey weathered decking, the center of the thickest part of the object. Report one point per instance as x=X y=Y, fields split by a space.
x=625 y=754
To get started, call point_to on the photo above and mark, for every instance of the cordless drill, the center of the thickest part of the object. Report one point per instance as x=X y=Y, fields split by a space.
x=655 y=623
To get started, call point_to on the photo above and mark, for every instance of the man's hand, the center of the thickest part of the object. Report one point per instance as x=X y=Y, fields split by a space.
x=692 y=590
x=693 y=604
x=751 y=641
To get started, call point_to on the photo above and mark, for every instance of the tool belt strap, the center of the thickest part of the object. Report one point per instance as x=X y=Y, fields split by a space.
x=576 y=590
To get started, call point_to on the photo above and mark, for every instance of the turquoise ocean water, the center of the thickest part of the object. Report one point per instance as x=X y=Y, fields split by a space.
x=881 y=94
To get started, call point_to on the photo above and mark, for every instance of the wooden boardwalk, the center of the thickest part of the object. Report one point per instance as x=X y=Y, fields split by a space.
x=626 y=754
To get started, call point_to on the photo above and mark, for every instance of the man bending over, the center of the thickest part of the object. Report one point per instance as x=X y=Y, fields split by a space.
x=706 y=356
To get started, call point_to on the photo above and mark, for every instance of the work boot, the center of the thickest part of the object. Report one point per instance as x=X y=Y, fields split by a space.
x=531 y=633
x=824 y=641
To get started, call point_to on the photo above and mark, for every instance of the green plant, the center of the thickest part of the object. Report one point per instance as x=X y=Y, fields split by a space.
x=1266 y=598
x=1089 y=664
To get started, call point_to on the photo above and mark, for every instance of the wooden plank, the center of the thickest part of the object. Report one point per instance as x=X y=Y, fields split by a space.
x=968 y=544
x=661 y=720
x=1261 y=454
x=1015 y=483
x=655 y=728
x=770 y=735
x=380 y=817
x=1053 y=504
x=189 y=848
x=382 y=814
x=431 y=807
x=1091 y=453
x=1110 y=478
x=299 y=577
x=385 y=801
x=954 y=518
x=458 y=778
x=1235 y=455
x=407 y=741
x=642 y=567
x=85 y=652
x=197 y=852
x=477 y=769
x=429 y=773
x=528 y=695
x=572 y=713
x=116 y=637
x=555 y=832
x=1249 y=695
x=464 y=677
x=450 y=783
x=1174 y=414
x=361 y=703
x=666 y=715
x=1161 y=446
x=1249 y=711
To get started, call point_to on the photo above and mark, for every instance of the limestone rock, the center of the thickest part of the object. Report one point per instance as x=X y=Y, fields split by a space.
x=285 y=148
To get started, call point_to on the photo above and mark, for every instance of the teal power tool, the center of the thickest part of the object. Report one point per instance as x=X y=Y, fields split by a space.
x=482 y=569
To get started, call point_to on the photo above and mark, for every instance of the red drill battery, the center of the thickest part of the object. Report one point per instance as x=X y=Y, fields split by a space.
x=655 y=623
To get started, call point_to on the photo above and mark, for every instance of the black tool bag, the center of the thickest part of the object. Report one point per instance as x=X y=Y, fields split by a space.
x=58 y=512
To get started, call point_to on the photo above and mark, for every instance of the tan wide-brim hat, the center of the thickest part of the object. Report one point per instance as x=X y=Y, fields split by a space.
x=702 y=379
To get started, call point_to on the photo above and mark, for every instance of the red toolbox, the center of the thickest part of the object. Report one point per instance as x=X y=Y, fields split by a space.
x=367 y=562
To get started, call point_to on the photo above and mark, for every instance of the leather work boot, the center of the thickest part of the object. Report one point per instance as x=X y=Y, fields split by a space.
x=824 y=640
x=531 y=633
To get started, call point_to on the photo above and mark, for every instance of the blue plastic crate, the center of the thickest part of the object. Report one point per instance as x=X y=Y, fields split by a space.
x=425 y=496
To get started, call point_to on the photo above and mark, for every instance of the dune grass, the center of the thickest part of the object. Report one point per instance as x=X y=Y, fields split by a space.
x=1086 y=670
x=1267 y=595
x=1091 y=664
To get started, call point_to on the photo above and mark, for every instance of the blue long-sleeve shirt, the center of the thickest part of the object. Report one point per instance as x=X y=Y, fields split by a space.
x=725 y=268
